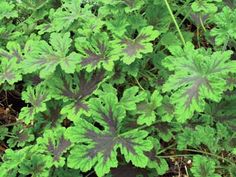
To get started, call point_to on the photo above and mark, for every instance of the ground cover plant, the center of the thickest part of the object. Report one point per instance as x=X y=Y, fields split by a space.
x=118 y=88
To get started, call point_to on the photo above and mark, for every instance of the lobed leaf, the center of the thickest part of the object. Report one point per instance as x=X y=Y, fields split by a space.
x=198 y=75
x=96 y=147
x=134 y=48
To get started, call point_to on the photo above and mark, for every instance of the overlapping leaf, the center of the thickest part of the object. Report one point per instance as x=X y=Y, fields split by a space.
x=159 y=164
x=147 y=109
x=203 y=167
x=12 y=159
x=53 y=144
x=98 y=51
x=134 y=48
x=46 y=58
x=73 y=90
x=67 y=14
x=225 y=29
x=207 y=6
x=201 y=135
x=20 y=136
x=10 y=68
x=198 y=75
x=37 y=97
x=34 y=165
x=96 y=147
x=14 y=51
x=7 y=10
x=10 y=71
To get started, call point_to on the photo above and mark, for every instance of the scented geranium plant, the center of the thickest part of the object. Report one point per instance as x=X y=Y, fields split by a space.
x=117 y=88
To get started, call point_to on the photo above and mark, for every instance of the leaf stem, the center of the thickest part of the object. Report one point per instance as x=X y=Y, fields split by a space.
x=175 y=22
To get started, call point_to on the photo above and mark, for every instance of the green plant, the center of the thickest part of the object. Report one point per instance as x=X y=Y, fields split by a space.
x=117 y=88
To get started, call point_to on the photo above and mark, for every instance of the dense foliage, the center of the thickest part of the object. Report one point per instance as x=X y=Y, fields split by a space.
x=117 y=88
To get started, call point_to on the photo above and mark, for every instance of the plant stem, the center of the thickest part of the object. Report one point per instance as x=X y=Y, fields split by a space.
x=165 y=149
x=198 y=37
x=210 y=154
x=140 y=128
x=203 y=27
x=185 y=17
x=175 y=155
x=175 y=22
x=140 y=86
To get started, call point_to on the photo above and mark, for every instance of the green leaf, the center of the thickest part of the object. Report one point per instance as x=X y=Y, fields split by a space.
x=37 y=97
x=118 y=25
x=203 y=167
x=7 y=10
x=206 y=6
x=74 y=90
x=3 y=132
x=20 y=136
x=65 y=16
x=201 y=135
x=98 y=148
x=11 y=161
x=131 y=97
x=54 y=144
x=10 y=71
x=97 y=51
x=133 y=5
x=34 y=165
x=225 y=29
x=147 y=110
x=159 y=164
x=198 y=75
x=46 y=58
x=14 y=51
x=135 y=48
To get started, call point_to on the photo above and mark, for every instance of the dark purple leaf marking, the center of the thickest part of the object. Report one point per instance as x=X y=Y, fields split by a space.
x=94 y=58
x=133 y=46
x=58 y=149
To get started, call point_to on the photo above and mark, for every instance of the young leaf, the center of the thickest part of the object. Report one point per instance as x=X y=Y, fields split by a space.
x=118 y=25
x=198 y=75
x=147 y=110
x=98 y=148
x=131 y=97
